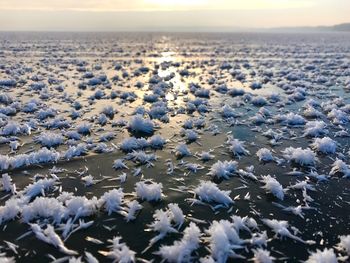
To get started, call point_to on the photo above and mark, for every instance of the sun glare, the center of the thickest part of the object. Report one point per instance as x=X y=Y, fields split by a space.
x=172 y=3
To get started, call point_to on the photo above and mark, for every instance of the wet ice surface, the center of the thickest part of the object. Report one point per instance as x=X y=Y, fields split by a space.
x=99 y=131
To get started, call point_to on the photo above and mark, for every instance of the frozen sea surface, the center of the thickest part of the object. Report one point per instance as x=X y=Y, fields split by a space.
x=102 y=133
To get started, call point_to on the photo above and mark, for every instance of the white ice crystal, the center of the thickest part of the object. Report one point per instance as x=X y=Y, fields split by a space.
x=262 y=256
x=259 y=239
x=209 y=192
x=193 y=167
x=223 y=169
x=176 y=214
x=191 y=135
x=84 y=128
x=44 y=155
x=112 y=200
x=102 y=119
x=239 y=223
x=228 y=112
x=107 y=136
x=10 y=210
x=88 y=180
x=259 y=101
x=14 y=128
x=161 y=224
x=3 y=258
x=325 y=256
x=205 y=156
x=182 y=150
x=264 y=155
x=315 y=128
x=80 y=206
x=311 y=112
x=281 y=229
x=304 y=157
x=138 y=124
x=141 y=157
x=49 y=236
x=119 y=164
x=4 y=162
x=44 y=207
x=101 y=148
x=45 y=113
x=132 y=143
x=6 y=182
x=340 y=166
x=223 y=239
x=76 y=150
x=8 y=82
x=257 y=119
x=108 y=111
x=344 y=244
x=272 y=134
x=156 y=142
x=324 y=145
x=273 y=186
x=180 y=251
x=149 y=191
x=338 y=116
x=302 y=185
x=236 y=147
x=39 y=187
x=291 y=119
x=132 y=208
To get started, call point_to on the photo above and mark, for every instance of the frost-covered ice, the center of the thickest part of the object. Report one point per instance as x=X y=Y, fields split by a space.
x=177 y=147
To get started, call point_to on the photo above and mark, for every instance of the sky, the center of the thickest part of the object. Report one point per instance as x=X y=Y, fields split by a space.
x=177 y=15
